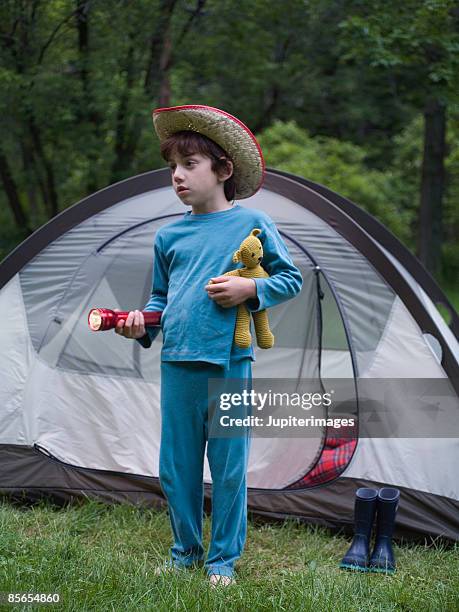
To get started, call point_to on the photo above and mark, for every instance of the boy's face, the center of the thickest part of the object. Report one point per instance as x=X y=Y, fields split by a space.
x=193 y=179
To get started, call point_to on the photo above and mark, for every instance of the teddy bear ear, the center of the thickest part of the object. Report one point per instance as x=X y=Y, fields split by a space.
x=256 y=231
x=237 y=256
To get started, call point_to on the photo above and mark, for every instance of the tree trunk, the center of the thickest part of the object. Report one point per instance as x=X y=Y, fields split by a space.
x=274 y=92
x=165 y=63
x=88 y=113
x=125 y=144
x=432 y=186
x=157 y=79
x=12 y=195
x=50 y=185
x=160 y=55
x=156 y=84
x=28 y=164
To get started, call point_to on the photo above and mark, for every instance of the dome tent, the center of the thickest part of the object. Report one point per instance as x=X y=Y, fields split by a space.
x=79 y=412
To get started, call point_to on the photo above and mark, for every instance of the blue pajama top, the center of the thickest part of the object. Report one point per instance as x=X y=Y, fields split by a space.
x=187 y=254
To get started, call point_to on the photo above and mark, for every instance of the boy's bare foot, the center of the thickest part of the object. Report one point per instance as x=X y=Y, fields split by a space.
x=217 y=580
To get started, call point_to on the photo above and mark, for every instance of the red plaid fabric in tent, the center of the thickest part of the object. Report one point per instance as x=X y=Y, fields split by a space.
x=335 y=456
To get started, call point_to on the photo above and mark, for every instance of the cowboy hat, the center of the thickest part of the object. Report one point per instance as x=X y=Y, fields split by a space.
x=227 y=131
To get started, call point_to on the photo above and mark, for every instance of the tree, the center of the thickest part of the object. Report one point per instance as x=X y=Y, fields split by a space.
x=417 y=43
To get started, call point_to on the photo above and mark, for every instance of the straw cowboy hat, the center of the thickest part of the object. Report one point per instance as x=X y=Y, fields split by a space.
x=224 y=129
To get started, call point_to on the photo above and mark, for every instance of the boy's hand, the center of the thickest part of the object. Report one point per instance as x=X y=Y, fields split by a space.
x=133 y=327
x=230 y=291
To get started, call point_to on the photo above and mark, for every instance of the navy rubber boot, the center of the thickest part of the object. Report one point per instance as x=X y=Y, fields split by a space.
x=382 y=558
x=356 y=557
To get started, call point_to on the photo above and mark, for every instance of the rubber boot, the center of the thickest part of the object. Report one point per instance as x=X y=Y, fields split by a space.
x=356 y=557
x=382 y=558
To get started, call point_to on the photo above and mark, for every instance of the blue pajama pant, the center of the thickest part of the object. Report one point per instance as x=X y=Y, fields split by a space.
x=184 y=432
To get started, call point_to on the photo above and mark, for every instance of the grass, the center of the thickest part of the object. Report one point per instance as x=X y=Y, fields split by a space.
x=101 y=557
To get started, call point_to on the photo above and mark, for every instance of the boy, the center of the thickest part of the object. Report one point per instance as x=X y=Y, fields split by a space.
x=214 y=158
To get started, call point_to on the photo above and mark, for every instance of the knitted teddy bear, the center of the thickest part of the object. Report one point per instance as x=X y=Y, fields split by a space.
x=250 y=253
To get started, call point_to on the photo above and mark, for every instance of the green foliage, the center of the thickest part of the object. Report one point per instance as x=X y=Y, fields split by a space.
x=341 y=167
x=346 y=81
x=418 y=39
x=392 y=196
x=407 y=175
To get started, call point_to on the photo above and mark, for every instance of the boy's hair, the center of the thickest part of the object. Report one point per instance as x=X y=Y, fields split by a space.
x=188 y=142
